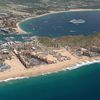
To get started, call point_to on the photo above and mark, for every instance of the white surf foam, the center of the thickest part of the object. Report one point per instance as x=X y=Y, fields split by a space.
x=11 y=79
x=83 y=64
x=64 y=69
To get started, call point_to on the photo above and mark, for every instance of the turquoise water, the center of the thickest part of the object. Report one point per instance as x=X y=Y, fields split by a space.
x=78 y=84
x=57 y=25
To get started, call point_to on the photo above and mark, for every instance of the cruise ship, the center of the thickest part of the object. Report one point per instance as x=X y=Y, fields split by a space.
x=77 y=21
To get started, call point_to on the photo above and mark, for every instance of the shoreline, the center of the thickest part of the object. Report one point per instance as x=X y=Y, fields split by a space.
x=76 y=66
x=21 y=31
x=18 y=70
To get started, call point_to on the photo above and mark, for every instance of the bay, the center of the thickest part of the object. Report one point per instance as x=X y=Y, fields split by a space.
x=58 y=24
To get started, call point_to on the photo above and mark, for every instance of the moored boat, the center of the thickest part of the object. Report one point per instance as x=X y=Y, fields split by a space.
x=77 y=21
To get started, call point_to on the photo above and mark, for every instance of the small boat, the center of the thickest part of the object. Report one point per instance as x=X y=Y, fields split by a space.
x=72 y=31
x=77 y=21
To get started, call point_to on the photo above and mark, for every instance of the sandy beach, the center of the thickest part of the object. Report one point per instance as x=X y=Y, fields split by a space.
x=18 y=70
x=21 y=31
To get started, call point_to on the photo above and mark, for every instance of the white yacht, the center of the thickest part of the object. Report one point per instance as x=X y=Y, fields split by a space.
x=77 y=21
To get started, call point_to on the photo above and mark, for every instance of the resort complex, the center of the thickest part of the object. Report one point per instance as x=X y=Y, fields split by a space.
x=42 y=41
x=32 y=55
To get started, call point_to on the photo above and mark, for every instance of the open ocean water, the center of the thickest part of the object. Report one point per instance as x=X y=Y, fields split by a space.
x=79 y=84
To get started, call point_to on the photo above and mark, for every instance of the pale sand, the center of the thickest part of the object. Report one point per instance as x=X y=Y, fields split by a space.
x=18 y=70
x=19 y=30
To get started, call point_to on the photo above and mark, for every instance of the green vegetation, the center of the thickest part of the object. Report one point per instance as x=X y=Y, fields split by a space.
x=74 y=41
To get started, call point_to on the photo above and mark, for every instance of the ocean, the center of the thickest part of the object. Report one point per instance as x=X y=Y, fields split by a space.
x=79 y=84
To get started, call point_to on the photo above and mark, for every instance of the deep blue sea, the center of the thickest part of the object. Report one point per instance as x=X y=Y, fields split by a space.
x=57 y=25
x=78 y=84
